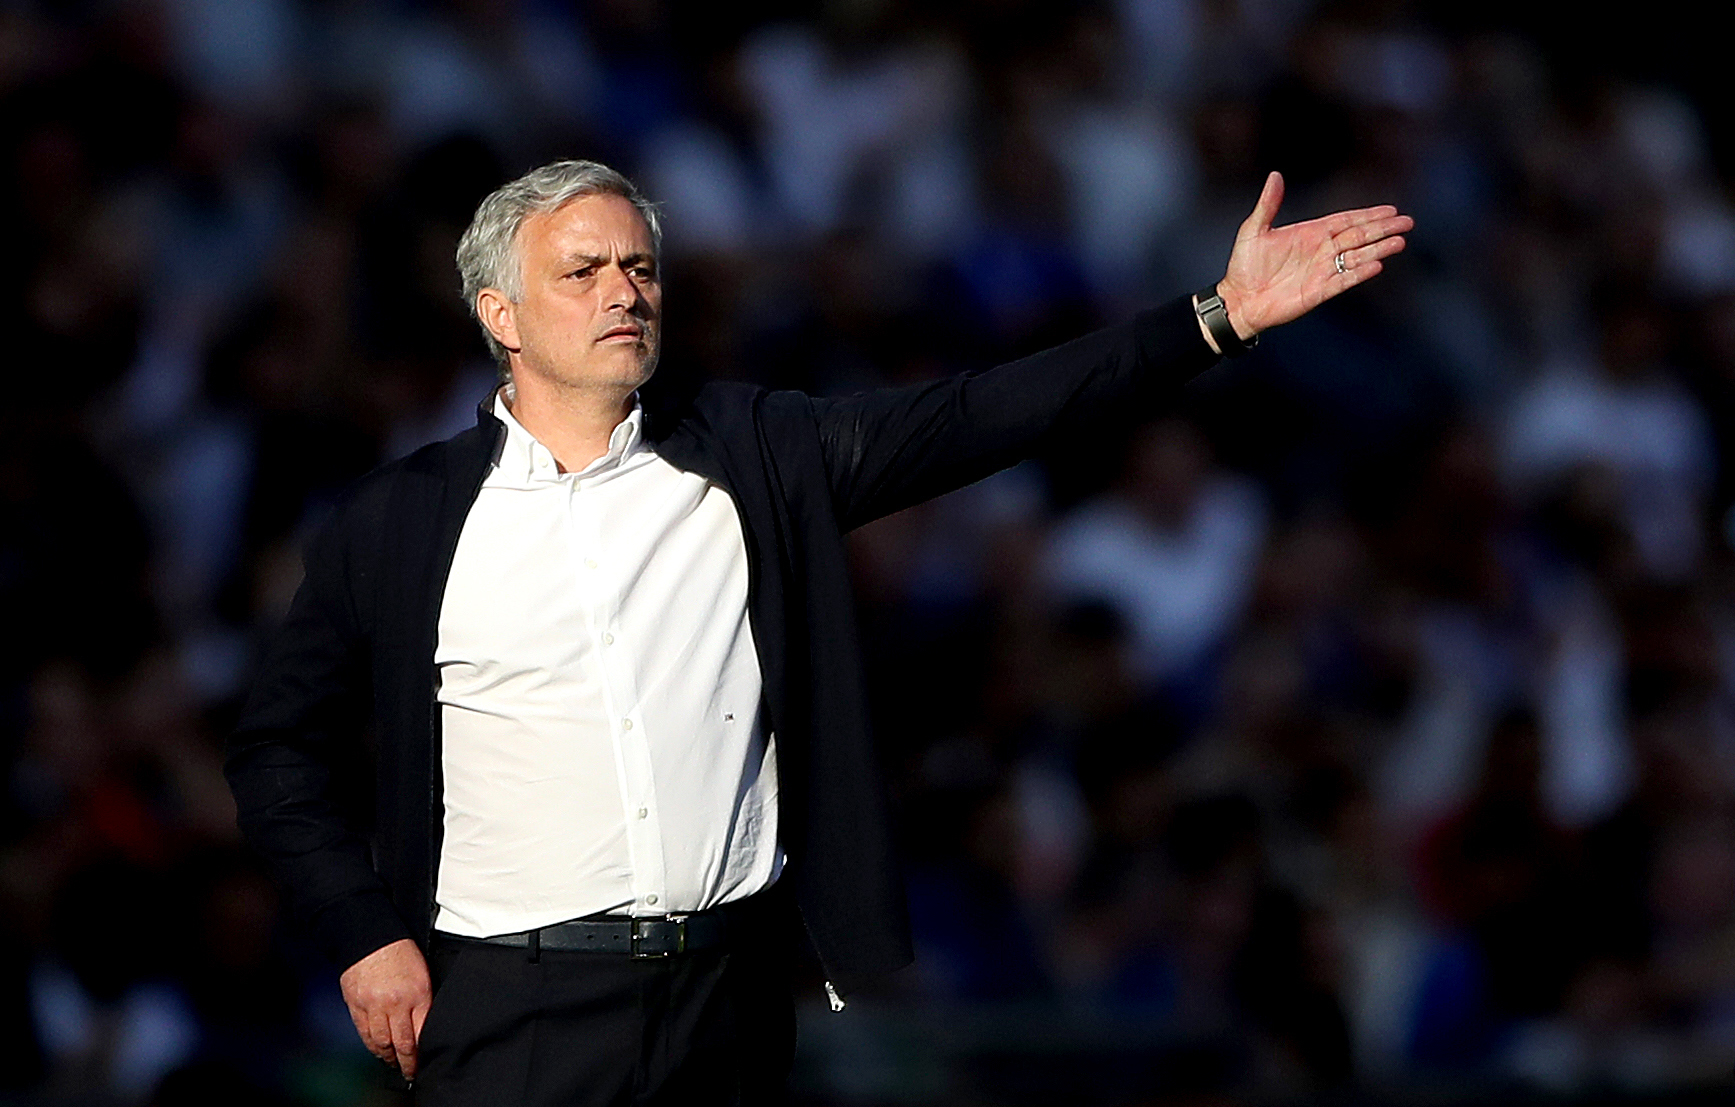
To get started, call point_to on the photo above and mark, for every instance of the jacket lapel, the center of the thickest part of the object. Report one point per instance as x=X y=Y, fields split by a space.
x=425 y=518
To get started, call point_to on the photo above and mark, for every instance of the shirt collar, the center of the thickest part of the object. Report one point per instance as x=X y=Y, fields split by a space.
x=523 y=457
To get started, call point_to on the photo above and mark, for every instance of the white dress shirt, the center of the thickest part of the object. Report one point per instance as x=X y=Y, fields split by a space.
x=599 y=696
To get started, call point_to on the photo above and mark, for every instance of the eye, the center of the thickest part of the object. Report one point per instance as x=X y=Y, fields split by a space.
x=583 y=271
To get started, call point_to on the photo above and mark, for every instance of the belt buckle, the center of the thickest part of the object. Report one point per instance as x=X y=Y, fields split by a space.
x=637 y=933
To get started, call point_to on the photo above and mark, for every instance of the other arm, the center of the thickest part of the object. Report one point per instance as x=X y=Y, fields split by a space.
x=311 y=691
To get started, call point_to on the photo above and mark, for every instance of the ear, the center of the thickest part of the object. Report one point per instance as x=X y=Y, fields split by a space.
x=500 y=316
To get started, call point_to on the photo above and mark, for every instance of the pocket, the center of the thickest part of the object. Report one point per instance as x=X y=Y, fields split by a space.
x=445 y=966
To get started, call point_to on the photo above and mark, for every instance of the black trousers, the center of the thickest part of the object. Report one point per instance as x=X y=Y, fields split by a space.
x=713 y=1026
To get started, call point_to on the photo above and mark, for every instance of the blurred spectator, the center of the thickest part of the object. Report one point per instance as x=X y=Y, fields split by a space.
x=1173 y=547
x=1629 y=414
x=1364 y=727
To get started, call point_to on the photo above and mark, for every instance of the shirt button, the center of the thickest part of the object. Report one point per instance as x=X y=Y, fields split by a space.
x=590 y=563
x=651 y=899
x=644 y=811
x=608 y=639
x=626 y=724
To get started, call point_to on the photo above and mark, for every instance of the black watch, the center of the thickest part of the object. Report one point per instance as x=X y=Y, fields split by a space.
x=1216 y=319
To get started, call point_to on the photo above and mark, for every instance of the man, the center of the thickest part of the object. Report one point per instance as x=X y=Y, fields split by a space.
x=609 y=659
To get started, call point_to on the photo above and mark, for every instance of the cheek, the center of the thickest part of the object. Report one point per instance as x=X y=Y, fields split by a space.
x=561 y=320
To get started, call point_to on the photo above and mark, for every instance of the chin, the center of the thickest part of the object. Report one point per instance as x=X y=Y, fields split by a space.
x=624 y=372
x=634 y=371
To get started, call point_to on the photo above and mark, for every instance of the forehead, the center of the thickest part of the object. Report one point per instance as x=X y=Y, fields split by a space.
x=601 y=224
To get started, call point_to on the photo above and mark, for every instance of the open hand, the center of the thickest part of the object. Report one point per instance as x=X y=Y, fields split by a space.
x=1277 y=274
x=389 y=993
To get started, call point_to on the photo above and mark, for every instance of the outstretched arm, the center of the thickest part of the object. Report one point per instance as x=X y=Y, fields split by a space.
x=891 y=448
x=1277 y=274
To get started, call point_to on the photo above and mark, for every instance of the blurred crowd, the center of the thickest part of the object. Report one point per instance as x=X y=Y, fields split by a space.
x=1361 y=720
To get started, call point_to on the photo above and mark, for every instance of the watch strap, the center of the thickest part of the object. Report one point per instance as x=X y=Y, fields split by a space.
x=1215 y=316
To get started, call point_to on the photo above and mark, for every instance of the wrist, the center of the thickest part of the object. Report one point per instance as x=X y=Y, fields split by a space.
x=1205 y=331
x=1235 y=306
x=1215 y=322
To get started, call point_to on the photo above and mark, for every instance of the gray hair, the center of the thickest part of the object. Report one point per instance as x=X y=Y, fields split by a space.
x=488 y=250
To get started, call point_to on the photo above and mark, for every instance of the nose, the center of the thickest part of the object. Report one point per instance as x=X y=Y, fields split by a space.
x=620 y=292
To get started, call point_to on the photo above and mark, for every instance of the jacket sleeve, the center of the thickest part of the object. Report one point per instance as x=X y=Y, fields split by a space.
x=310 y=698
x=889 y=449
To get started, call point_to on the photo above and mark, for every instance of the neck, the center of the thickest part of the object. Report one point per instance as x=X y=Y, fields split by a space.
x=575 y=424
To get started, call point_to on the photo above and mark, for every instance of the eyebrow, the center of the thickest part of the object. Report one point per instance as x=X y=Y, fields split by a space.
x=573 y=261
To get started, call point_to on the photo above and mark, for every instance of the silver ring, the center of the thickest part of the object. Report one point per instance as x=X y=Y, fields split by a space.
x=1338 y=261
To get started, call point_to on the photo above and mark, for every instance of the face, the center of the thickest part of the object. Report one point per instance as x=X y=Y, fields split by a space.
x=590 y=313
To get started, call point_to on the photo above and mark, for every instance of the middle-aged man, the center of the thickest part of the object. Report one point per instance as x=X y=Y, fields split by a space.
x=609 y=659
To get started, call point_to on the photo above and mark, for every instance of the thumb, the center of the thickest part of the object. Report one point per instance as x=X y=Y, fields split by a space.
x=1265 y=211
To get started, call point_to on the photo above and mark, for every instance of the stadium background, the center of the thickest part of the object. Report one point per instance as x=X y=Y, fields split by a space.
x=1358 y=730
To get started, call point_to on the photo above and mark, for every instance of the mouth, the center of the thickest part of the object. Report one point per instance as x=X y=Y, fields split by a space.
x=626 y=332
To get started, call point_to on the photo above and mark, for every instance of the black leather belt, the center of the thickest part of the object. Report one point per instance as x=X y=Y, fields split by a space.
x=661 y=936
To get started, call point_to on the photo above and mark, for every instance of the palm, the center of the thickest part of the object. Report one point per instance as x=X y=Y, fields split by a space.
x=1277 y=274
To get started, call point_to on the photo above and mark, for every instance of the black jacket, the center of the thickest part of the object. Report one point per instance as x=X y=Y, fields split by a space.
x=359 y=639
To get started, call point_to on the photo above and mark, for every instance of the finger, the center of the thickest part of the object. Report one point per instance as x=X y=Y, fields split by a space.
x=1386 y=247
x=1339 y=222
x=1349 y=278
x=1356 y=263
x=1377 y=251
x=1372 y=232
x=379 y=1036
x=1365 y=272
x=404 y=1043
x=360 y=1019
x=1265 y=211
